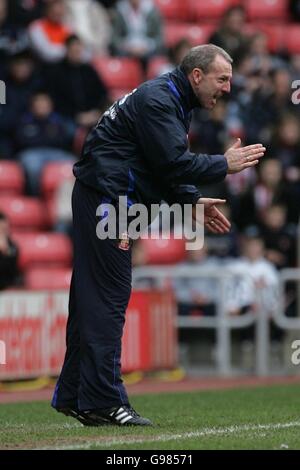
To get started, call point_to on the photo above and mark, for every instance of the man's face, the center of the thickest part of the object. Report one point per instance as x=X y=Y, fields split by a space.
x=211 y=86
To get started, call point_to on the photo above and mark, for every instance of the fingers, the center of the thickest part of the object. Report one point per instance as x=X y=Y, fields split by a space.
x=253 y=147
x=218 y=222
x=249 y=164
x=216 y=201
x=215 y=227
x=221 y=221
x=237 y=144
x=210 y=201
x=253 y=158
x=254 y=153
x=212 y=229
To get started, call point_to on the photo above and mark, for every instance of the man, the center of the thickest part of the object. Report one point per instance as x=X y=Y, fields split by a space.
x=140 y=149
x=76 y=87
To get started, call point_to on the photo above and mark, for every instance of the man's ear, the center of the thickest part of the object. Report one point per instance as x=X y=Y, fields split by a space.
x=197 y=75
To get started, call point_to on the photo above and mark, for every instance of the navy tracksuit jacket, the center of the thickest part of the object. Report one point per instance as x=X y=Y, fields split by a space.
x=139 y=148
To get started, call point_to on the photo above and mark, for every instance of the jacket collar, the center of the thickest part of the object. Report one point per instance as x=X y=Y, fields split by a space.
x=184 y=88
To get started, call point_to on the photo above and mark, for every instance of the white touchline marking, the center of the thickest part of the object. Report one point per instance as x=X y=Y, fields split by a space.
x=176 y=437
x=39 y=426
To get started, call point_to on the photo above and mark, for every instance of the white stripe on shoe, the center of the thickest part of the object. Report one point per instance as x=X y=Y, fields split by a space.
x=124 y=420
x=115 y=413
x=122 y=415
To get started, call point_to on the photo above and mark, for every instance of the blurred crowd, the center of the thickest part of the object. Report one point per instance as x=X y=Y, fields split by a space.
x=54 y=95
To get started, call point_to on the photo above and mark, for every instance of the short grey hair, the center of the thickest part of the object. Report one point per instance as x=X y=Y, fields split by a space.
x=202 y=57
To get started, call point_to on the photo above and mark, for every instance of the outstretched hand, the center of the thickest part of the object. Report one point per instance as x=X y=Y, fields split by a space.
x=238 y=158
x=214 y=220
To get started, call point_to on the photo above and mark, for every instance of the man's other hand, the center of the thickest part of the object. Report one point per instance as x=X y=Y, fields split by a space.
x=214 y=220
x=238 y=158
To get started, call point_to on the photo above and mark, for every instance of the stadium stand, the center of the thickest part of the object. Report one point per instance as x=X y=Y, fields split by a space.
x=163 y=251
x=54 y=174
x=292 y=37
x=196 y=34
x=266 y=9
x=210 y=9
x=43 y=249
x=174 y=9
x=47 y=278
x=119 y=73
x=12 y=180
x=155 y=65
x=195 y=21
x=24 y=213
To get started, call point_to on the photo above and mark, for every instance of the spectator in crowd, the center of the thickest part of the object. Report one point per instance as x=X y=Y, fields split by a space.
x=75 y=86
x=250 y=89
x=267 y=106
x=230 y=34
x=197 y=295
x=269 y=189
x=294 y=6
x=23 y=12
x=294 y=66
x=42 y=136
x=108 y=3
x=226 y=245
x=48 y=34
x=90 y=21
x=22 y=78
x=279 y=237
x=175 y=55
x=260 y=59
x=286 y=146
x=208 y=130
x=13 y=39
x=9 y=253
x=137 y=30
x=252 y=272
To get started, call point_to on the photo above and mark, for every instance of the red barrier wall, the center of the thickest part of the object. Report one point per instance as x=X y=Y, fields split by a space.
x=32 y=327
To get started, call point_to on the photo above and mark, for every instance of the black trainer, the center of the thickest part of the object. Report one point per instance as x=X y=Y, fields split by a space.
x=79 y=415
x=121 y=415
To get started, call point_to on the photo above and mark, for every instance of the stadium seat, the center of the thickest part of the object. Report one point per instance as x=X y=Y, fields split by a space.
x=292 y=38
x=267 y=9
x=116 y=94
x=11 y=178
x=48 y=278
x=119 y=73
x=210 y=9
x=24 y=213
x=173 y=9
x=154 y=66
x=43 y=249
x=163 y=251
x=53 y=175
x=196 y=34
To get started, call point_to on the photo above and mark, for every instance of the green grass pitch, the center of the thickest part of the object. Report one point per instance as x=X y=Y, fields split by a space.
x=249 y=418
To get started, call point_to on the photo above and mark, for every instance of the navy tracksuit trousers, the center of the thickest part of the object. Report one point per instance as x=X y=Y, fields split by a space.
x=99 y=295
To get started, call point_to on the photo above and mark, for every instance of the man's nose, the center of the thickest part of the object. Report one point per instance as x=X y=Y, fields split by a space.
x=226 y=87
